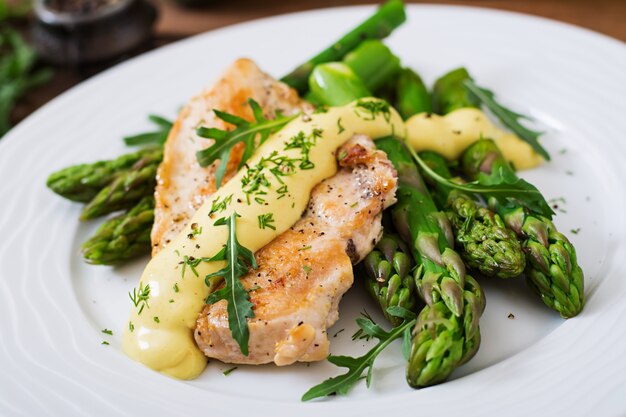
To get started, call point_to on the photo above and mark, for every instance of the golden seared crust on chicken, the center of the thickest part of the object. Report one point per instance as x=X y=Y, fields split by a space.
x=182 y=184
x=304 y=272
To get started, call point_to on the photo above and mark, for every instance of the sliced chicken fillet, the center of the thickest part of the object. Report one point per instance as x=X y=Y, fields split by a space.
x=182 y=184
x=304 y=272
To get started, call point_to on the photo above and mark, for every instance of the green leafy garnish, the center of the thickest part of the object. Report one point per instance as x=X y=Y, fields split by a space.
x=266 y=221
x=156 y=137
x=238 y=260
x=245 y=132
x=140 y=297
x=17 y=73
x=503 y=185
x=218 y=206
x=229 y=371
x=507 y=117
x=356 y=366
x=370 y=109
x=107 y=331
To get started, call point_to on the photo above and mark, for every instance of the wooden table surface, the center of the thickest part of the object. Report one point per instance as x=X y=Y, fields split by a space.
x=174 y=23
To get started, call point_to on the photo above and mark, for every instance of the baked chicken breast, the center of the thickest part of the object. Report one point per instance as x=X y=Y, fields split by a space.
x=182 y=184
x=305 y=271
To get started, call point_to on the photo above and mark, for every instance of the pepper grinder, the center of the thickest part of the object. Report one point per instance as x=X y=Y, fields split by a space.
x=73 y=32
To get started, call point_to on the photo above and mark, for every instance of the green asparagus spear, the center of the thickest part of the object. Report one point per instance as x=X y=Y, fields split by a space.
x=388 y=278
x=378 y=26
x=449 y=92
x=411 y=94
x=482 y=238
x=363 y=71
x=83 y=182
x=374 y=63
x=442 y=341
x=552 y=270
x=335 y=84
x=127 y=188
x=123 y=237
x=447 y=331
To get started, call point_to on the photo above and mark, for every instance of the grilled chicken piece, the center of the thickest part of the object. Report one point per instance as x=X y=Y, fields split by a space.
x=304 y=272
x=182 y=184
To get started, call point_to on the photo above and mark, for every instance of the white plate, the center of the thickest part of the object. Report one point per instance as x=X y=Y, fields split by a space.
x=53 y=307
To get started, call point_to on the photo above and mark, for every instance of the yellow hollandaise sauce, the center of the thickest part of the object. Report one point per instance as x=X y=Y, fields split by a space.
x=451 y=134
x=275 y=186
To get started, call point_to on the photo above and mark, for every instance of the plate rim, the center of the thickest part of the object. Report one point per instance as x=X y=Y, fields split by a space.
x=120 y=67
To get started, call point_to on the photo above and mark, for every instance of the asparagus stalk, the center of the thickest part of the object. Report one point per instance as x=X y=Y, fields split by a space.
x=412 y=97
x=83 y=182
x=123 y=237
x=449 y=92
x=447 y=332
x=127 y=188
x=363 y=71
x=335 y=84
x=374 y=63
x=378 y=26
x=552 y=270
x=482 y=238
x=388 y=277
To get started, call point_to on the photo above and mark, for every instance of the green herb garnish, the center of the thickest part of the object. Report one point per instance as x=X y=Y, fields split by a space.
x=255 y=183
x=140 y=296
x=245 y=132
x=107 y=331
x=218 y=206
x=266 y=221
x=304 y=143
x=369 y=109
x=229 y=371
x=503 y=185
x=192 y=263
x=340 y=128
x=357 y=366
x=508 y=117
x=238 y=260
x=156 y=137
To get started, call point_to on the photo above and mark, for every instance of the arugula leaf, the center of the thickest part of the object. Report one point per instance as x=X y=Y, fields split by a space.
x=356 y=366
x=157 y=137
x=502 y=184
x=401 y=312
x=245 y=132
x=238 y=260
x=508 y=117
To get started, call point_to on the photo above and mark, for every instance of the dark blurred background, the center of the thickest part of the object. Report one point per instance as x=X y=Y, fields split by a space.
x=171 y=20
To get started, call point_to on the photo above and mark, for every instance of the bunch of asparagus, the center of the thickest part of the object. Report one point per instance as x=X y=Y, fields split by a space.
x=550 y=266
x=415 y=263
x=447 y=333
x=124 y=184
